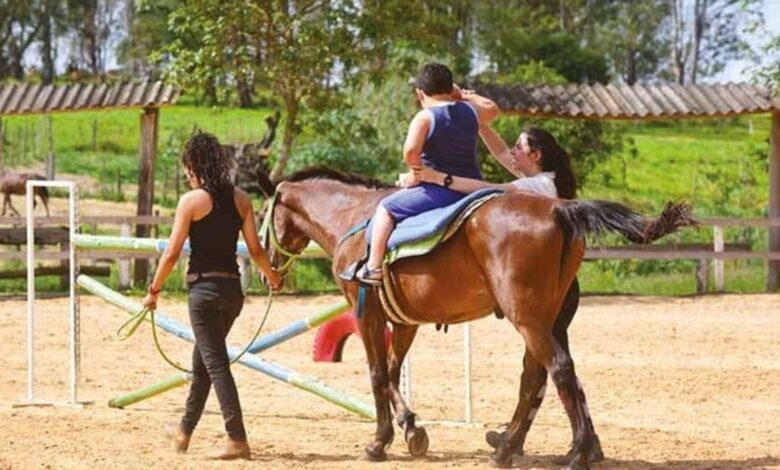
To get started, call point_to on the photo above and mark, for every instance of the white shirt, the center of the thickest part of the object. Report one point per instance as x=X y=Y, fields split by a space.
x=542 y=184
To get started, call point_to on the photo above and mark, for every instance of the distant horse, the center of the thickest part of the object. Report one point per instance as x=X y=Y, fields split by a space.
x=517 y=254
x=15 y=184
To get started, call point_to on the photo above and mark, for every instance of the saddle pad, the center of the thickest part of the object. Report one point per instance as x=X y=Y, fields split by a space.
x=419 y=234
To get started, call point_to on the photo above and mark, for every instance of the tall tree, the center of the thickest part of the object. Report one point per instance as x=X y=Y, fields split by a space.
x=147 y=27
x=707 y=33
x=94 y=24
x=633 y=36
x=558 y=34
x=20 y=26
x=302 y=50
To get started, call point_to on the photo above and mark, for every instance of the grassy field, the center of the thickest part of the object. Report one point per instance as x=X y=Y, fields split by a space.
x=718 y=165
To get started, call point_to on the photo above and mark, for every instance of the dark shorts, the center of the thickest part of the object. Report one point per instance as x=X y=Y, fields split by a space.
x=418 y=199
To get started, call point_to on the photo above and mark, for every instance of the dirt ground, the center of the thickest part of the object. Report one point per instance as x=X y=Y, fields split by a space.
x=682 y=383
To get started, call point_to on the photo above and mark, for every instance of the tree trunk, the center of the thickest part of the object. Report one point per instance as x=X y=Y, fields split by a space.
x=699 y=24
x=291 y=107
x=630 y=74
x=46 y=46
x=678 y=41
x=244 y=92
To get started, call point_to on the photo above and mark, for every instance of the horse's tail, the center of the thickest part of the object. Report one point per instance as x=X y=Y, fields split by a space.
x=578 y=218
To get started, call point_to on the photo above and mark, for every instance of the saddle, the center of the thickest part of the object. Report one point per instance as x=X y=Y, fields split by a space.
x=415 y=236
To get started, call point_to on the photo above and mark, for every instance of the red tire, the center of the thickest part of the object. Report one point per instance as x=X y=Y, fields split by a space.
x=331 y=337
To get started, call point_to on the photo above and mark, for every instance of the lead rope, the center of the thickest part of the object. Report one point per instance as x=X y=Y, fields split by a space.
x=135 y=321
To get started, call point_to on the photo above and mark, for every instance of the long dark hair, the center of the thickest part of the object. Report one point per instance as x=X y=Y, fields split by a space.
x=204 y=157
x=555 y=159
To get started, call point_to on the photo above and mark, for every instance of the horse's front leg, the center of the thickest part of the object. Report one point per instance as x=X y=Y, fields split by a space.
x=372 y=331
x=416 y=438
x=13 y=209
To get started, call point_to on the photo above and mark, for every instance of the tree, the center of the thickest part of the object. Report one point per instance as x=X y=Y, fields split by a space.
x=147 y=26
x=632 y=36
x=707 y=33
x=304 y=51
x=94 y=24
x=19 y=26
x=558 y=34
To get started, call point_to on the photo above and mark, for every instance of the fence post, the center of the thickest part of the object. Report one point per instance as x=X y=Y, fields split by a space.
x=717 y=237
x=50 y=164
x=2 y=141
x=702 y=276
x=124 y=263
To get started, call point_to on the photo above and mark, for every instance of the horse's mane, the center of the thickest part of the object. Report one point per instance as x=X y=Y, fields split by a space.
x=323 y=172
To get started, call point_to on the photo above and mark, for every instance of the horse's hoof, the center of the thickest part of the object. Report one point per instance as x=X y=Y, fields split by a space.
x=596 y=454
x=374 y=455
x=417 y=441
x=499 y=462
x=495 y=439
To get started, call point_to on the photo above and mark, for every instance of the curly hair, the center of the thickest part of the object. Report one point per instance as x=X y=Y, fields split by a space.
x=204 y=156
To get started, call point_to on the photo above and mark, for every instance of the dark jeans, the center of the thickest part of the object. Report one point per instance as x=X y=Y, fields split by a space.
x=214 y=304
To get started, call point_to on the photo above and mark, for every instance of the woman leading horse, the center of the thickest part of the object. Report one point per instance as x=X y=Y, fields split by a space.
x=517 y=253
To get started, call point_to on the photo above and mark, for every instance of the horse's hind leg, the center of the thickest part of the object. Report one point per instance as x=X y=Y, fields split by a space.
x=372 y=331
x=45 y=202
x=416 y=438
x=559 y=365
x=533 y=385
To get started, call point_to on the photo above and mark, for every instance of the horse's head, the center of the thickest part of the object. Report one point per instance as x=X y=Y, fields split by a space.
x=282 y=239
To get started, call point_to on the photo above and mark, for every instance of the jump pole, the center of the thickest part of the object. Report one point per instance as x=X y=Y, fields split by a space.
x=265 y=342
x=310 y=384
x=158 y=245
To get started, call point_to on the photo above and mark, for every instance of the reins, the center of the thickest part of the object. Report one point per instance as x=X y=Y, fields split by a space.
x=135 y=321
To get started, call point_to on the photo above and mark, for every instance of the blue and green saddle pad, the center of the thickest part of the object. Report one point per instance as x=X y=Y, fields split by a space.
x=417 y=235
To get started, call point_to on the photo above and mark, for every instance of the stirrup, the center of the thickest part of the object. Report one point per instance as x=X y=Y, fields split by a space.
x=369 y=276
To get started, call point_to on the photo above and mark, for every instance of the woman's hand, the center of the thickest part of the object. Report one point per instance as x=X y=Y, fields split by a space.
x=407 y=180
x=457 y=93
x=429 y=175
x=150 y=300
x=274 y=280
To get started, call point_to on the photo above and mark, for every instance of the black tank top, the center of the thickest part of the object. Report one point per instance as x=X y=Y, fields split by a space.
x=213 y=238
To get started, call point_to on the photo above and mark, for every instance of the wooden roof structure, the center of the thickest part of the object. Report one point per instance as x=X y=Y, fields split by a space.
x=639 y=101
x=26 y=98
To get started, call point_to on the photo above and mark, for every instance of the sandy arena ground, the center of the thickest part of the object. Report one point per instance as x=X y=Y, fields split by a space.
x=683 y=383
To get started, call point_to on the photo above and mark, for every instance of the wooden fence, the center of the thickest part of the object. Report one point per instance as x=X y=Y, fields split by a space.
x=709 y=257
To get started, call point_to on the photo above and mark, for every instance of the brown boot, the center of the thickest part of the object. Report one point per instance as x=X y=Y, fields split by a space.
x=179 y=439
x=233 y=450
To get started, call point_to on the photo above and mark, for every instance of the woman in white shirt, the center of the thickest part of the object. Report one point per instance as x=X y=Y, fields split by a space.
x=541 y=165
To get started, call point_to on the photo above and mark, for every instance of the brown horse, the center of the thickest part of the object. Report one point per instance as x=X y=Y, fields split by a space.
x=517 y=254
x=15 y=184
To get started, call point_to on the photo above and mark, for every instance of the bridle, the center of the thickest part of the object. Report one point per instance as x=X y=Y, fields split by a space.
x=268 y=234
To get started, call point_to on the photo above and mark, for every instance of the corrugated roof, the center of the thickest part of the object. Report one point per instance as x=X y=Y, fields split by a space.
x=37 y=99
x=640 y=101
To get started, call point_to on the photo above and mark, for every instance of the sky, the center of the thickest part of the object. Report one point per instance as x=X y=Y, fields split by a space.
x=741 y=71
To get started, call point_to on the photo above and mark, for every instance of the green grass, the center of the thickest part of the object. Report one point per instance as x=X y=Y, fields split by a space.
x=717 y=165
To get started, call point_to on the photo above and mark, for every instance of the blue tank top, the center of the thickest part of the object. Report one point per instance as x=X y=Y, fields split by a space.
x=451 y=146
x=213 y=238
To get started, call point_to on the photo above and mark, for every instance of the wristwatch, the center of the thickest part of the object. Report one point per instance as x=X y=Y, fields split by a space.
x=448 y=180
x=152 y=291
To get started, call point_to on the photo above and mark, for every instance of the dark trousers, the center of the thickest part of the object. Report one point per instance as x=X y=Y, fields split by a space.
x=214 y=304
